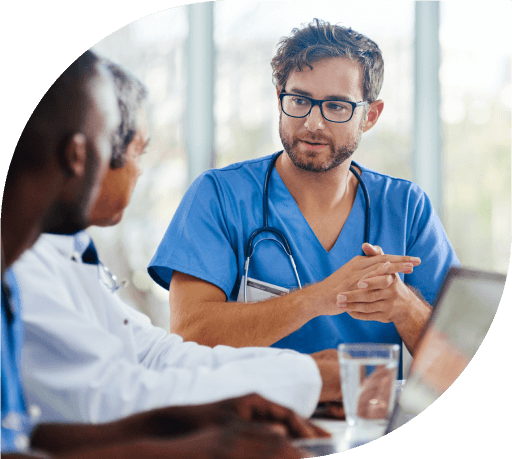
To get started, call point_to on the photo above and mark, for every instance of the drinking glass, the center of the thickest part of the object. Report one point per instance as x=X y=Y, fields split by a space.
x=368 y=375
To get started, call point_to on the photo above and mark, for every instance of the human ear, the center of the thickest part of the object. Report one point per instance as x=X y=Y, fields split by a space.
x=373 y=114
x=73 y=157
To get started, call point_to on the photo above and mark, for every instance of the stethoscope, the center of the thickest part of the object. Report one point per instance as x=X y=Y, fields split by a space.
x=281 y=238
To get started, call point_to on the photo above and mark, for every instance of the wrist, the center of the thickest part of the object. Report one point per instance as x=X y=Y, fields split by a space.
x=313 y=302
x=410 y=308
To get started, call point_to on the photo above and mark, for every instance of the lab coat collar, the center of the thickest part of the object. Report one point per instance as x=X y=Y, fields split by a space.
x=69 y=246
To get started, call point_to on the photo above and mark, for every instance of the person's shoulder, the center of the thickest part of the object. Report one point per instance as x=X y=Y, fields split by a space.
x=54 y=244
x=45 y=253
x=388 y=182
x=242 y=168
x=235 y=178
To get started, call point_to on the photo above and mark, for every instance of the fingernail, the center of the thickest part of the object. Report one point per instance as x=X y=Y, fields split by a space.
x=342 y=298
x=362 y=285
x=415 y=260
x=342 y=305
x=408 y=265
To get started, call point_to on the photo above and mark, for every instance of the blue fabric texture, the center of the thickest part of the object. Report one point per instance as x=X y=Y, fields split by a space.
x=14 y=413
x=208 y=234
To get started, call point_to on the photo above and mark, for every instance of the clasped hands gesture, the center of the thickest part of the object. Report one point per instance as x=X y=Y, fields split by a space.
x=379 y=294
x=371 y=290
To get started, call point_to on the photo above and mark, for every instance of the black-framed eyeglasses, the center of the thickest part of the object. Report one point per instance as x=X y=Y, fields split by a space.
x=335 y=111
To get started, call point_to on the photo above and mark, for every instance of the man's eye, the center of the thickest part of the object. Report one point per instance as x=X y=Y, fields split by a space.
x=336 y=106
x=299 y=101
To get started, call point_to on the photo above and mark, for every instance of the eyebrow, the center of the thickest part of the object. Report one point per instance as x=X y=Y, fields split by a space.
x=332 y=97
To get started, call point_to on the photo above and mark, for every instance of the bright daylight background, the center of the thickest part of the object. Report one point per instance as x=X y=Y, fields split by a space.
x=475 y=78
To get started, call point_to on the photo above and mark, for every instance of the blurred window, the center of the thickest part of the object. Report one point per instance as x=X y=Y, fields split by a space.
x=151 y=48
x=475 y=112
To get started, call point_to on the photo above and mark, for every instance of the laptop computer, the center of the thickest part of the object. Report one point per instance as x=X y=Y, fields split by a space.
x=463 y=312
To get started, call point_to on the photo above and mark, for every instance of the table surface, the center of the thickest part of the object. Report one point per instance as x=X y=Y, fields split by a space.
x=343 y=437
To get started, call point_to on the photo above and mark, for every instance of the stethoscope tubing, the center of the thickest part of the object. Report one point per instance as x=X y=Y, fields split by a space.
x=281 y=238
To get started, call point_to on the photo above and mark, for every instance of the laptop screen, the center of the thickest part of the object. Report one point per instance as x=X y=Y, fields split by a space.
x=463 y=313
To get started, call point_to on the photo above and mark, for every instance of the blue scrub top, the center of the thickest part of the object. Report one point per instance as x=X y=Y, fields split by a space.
x=15 y=421
x=208 y=234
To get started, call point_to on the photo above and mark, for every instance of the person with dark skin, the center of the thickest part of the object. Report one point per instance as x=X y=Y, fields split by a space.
x=132 y=365
x=52 y=183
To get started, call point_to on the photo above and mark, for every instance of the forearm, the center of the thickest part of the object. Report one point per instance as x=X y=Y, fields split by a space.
x=241 y=324
x=200 y=312
x=147 y=448
x=411 y=324
x=62 y=438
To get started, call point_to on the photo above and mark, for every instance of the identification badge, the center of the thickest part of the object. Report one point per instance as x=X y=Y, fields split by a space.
x=258 y=290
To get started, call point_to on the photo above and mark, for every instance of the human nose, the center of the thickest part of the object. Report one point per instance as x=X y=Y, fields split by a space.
x=315 y=119
x=139 y=167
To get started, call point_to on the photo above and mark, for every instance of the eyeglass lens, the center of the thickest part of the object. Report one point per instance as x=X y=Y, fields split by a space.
x=332 y=110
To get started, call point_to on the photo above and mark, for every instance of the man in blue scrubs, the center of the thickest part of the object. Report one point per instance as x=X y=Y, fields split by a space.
x=327 y=81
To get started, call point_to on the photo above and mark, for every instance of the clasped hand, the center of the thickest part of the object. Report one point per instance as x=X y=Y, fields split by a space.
x=178 y=420
x=380 y=295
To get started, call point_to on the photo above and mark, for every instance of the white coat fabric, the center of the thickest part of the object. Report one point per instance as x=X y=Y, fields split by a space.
x=89 y=357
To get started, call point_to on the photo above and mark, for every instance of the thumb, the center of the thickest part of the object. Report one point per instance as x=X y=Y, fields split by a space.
x=372 y=250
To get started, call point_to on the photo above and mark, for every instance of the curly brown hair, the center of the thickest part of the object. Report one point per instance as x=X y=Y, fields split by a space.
x=321 y=40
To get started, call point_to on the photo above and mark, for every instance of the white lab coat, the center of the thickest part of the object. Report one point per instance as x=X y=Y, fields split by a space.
x=89 y=357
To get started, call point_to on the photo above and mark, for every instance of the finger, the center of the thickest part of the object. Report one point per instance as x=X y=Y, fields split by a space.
x=319 y=432
x=373 y=316
x=295 y=425
x=278 y=428
x=379 y=271
x=392 y=268
x=370 y=261
x=335 y=410
x=372 y=250
x=357 y=298
x=298 y=427
x=377 y=282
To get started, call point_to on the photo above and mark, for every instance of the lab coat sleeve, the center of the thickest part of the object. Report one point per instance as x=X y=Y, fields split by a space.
x=77 y=370
x=158 y=350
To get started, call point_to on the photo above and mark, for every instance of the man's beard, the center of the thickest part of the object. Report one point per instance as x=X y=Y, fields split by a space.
x=336 y=156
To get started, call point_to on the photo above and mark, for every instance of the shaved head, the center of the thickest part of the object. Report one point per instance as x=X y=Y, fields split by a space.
x=61 y=157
